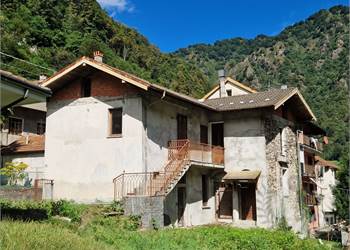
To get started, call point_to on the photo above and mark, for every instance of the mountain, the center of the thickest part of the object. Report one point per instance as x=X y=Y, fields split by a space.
x=312 y=55
x=55 y=33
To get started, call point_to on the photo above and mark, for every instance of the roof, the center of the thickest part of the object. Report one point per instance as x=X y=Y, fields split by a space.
x=272 y=98
x=36 y=144
x=233 y=83
x=242 y=175
x=254 y=100
x=58 y=78
x=23 y=81
x=325 y=163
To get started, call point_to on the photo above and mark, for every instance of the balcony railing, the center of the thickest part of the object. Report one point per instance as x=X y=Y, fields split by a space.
x=309 y=170
x=310 y=142
x=310 y=200
x=180 y=155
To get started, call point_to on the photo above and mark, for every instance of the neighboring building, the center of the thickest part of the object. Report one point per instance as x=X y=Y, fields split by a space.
x=232 y=159
x=326 y=181
x=23 y=104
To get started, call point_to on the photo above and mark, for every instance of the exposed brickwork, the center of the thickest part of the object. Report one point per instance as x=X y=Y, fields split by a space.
x=101 y=85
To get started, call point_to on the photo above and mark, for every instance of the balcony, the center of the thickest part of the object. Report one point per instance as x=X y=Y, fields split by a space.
x=310 y=142
x=311 y=199
x=181 y=155
x=309 y=171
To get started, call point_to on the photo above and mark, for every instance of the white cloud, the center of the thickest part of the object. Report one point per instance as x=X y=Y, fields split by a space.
x=120 y=5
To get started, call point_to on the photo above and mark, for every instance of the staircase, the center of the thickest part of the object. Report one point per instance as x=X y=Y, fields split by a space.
x=181 y=153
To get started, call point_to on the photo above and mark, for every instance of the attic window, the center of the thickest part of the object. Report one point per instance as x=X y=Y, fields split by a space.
x=229 y=92
x=86 y=87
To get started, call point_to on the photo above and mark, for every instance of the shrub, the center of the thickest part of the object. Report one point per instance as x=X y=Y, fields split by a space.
x=68 y=209
x=25 y=210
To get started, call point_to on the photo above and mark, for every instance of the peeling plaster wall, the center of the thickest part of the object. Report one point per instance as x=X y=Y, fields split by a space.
x=286 y=203
x=80 y=156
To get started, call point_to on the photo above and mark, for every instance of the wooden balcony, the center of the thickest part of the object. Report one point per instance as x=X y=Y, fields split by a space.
x=310 y=200
x=309 y=171
x=310 y=142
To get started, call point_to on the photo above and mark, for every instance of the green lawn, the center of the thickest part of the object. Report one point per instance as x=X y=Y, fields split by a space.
x=89 y=229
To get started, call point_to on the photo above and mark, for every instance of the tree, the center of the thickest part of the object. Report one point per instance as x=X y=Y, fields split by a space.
x=14 y=171
x=342 y=193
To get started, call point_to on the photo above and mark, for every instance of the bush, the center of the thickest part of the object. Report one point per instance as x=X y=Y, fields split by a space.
x=34 y=210
x=68 y=209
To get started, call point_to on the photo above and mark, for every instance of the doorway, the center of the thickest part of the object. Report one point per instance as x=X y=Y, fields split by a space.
x=181 y=127
x=225 y=201
x=181 y=204
x=217 y=134
x=247 y=201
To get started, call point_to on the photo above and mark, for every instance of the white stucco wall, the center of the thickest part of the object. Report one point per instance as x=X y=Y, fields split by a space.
x=35 y=161
x=235 y=91
x=80 y=156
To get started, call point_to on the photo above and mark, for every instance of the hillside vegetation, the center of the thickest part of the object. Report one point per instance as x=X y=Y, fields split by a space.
x=55 y=33
x=312 y=55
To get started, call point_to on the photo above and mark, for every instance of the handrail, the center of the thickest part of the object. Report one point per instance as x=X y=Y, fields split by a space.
x=180 y=153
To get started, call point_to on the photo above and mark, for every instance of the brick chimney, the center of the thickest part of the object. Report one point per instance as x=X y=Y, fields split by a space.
x=98 y=56
x=221 y=74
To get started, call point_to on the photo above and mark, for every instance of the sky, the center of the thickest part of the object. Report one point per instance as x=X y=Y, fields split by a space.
x=174 y=24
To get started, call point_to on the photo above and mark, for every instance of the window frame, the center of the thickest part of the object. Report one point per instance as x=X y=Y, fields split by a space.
x=84 y=83
x=37 y=125
x=22 y=125
x=229 y=92
x=110 y=123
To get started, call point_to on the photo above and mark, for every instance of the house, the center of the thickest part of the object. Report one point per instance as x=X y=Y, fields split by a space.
x=326 y=180
x=175 y=159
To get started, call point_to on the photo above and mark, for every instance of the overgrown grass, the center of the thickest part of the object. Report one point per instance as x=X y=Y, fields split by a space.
x=95 y=231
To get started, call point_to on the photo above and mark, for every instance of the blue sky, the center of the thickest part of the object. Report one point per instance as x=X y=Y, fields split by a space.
x=173 y=24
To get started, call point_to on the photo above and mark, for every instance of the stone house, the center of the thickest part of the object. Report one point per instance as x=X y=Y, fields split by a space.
x=232 y=156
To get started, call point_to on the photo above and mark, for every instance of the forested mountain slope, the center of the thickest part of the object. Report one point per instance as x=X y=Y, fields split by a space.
x=312 y=55
x=55 y=33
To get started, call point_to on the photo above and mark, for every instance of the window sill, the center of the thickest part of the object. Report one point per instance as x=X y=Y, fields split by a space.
x=205 y=207
x=115 y=136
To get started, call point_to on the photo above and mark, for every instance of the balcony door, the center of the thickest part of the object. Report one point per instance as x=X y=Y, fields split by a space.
x=181 y=127
x=217 y=134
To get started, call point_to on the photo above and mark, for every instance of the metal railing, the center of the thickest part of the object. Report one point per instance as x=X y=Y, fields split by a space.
x=310 y=142
x=180 y=154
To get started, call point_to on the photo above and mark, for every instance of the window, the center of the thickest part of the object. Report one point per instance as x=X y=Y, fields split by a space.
x=205 y=196
x=204 y=134
x=40 y=127
x=86 y=87
x=309 y=160
x=302 y=168
x=115 y=121
x=15 y=126
x=229 y=92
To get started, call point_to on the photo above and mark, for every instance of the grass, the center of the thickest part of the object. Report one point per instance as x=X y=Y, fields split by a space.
x=94 y=231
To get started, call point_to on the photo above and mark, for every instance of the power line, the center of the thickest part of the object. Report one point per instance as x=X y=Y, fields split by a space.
x=32 y=73
x=16 y=58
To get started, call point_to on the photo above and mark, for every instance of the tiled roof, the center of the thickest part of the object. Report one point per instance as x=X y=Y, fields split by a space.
x=325 y=163
x=36 y=143
x=250 y=101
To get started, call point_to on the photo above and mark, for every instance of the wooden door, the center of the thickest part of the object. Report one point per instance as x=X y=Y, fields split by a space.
x=181 y=127
x=225 y=202
x=248 y=201
x=181 y=204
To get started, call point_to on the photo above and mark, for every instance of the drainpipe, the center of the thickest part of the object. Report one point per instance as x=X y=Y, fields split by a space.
x=300 y=183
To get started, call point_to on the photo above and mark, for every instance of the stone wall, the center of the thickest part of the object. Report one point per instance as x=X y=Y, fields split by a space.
x=20 y=193
x=149 y=208
x=285 y=198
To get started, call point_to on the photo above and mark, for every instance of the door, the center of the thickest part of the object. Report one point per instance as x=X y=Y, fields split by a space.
x=225 y=202
x=181 y=127
x=203 y=134
x=217 y=134
x=181 y=204
x=247 y=201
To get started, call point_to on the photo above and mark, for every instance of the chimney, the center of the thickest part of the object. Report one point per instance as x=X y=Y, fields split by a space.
x=98 y=56
x=42 y=78
x=221 y=74
x=284 y=87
